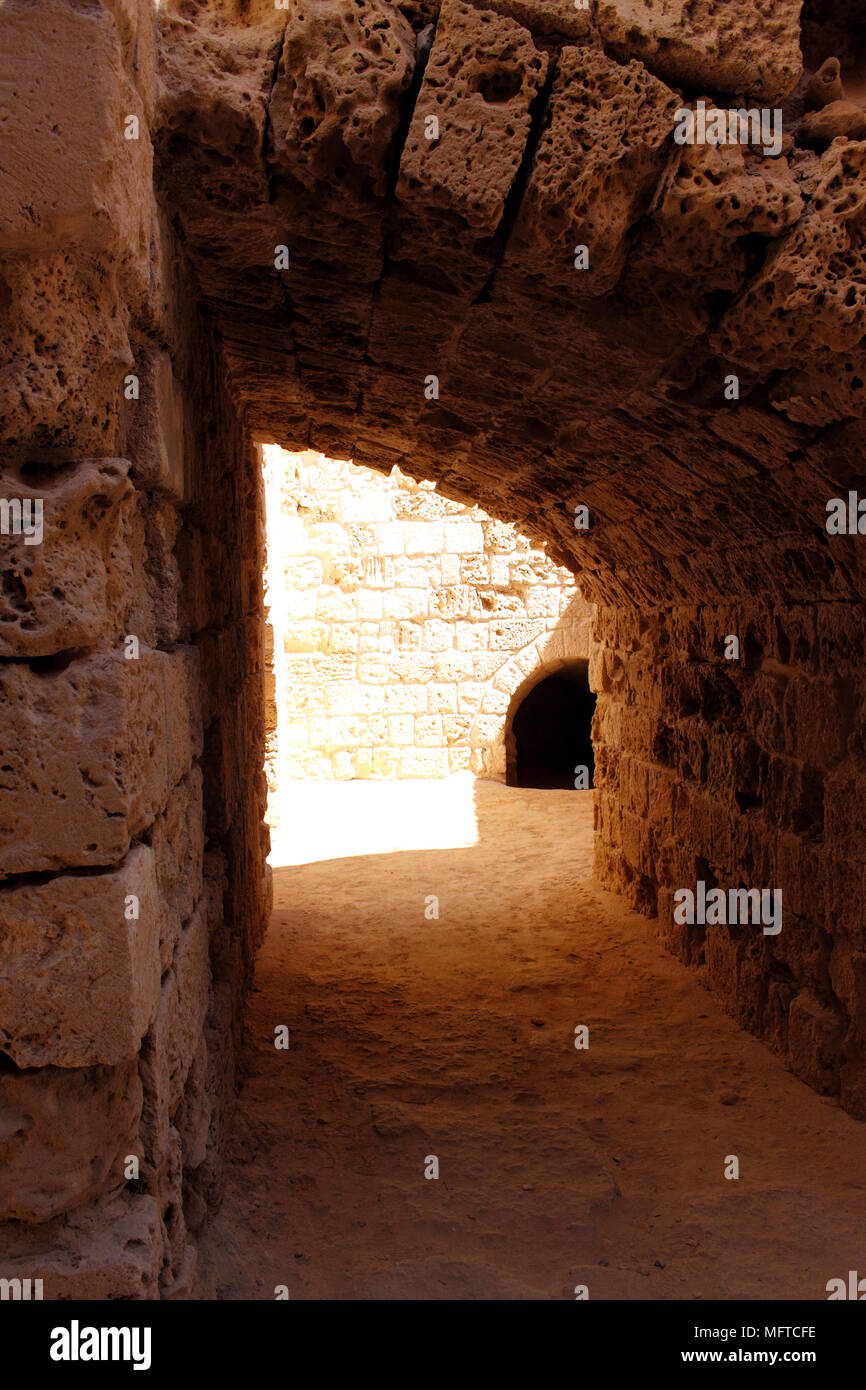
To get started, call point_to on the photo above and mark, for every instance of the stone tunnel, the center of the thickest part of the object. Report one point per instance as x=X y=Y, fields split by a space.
x=468 y=239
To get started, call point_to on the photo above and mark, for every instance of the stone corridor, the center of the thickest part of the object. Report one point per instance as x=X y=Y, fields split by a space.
x=454 y=1037
x=464 y=240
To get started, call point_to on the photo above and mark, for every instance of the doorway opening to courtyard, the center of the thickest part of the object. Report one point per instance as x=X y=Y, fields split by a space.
x=549 y=742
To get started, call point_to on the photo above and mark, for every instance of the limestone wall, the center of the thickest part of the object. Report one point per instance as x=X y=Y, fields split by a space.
x=131 y=796
x=768 y=793
x=410 y=622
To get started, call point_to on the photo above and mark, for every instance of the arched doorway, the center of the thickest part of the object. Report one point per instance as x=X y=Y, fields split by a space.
x=550 y=730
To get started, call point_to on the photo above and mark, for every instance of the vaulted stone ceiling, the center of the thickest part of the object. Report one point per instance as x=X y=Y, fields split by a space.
x=454 y=257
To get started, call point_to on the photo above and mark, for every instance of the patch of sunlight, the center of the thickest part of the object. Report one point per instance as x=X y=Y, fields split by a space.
x=342 y=820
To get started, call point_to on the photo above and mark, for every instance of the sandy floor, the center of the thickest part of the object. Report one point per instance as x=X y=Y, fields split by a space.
x=455 y=1037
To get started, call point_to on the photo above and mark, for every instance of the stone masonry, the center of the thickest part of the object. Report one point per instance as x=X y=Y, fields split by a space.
x=410 y=621
x=225 y=224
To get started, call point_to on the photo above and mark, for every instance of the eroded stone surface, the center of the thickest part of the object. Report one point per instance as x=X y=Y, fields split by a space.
x=73 y=939
x=64 y=1137
x=456 y=173
x=60 y=586
x=732 y=45
x=597 y=166
x=336 y=103
x=90 y=754
x=173 y=1040
x=111 y=1250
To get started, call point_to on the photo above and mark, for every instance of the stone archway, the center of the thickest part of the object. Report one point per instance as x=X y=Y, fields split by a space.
x=548 y=741
x=569 y=640
x=405 y=233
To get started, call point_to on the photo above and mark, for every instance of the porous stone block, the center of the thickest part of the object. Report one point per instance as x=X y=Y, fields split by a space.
x=71 y=178
x=173 y=1040
x=112 y=1250
x=597 y=166
x=64 y=1136
x=154 y=438
x=65 y=351
x=455 y=175
x=342 y=72
x=79 y=971
x=423 y=762
x=728 y=45
x=89 y=754
x=61 y=588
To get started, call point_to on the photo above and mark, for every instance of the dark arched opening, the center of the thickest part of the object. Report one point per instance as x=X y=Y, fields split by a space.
x=551 y=731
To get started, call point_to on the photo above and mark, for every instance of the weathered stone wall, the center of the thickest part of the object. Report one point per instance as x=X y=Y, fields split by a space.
x=746 y=772
x=132 y=877
x=429 y=171
x=404 y=614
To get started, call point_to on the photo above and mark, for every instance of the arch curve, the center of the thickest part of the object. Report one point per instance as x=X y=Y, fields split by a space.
x=544 y=656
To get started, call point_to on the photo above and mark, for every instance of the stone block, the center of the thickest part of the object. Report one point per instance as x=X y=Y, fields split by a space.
x=428 y=730
x=442 y=699
x=171 y=1044
x=463 y=537
x=64 y=1136
x=481 y=77
x=79 y=979
x=598 y=164
x=725 y=45
x=109 y=1251
x=814 y=1041
x=423 y=762
x=301 y=604
x=303 y=574
x=72 y=179
x=401 y=730
x=67 y=351
x=61 y=589
x=84 y=750
x=422 y=537
x=177 y=841
x=405 y=603
x=342 y=73
x=406 y=699
x=154 y=440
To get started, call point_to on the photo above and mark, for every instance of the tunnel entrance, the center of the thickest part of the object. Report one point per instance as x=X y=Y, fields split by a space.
x=550 y=730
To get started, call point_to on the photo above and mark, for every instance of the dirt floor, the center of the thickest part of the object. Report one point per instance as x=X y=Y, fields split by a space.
x=412 y=1037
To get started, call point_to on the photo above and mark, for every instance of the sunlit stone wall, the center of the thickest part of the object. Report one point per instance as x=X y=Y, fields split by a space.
x=407 y=621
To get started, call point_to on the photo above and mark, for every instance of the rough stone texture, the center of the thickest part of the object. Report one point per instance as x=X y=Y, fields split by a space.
x=116 y=409
x=70 y=940
x=402 y=611
x=83 y=189
x=765 y=793
x=809 y=301
x=336 y=102
x=64 y=1137
x=89 y=755
x=597 y=167
x=110 y=1250
x=177 y=840
x=479 y=82
x=729 y=45
x=63 y=592
x=557 y=387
